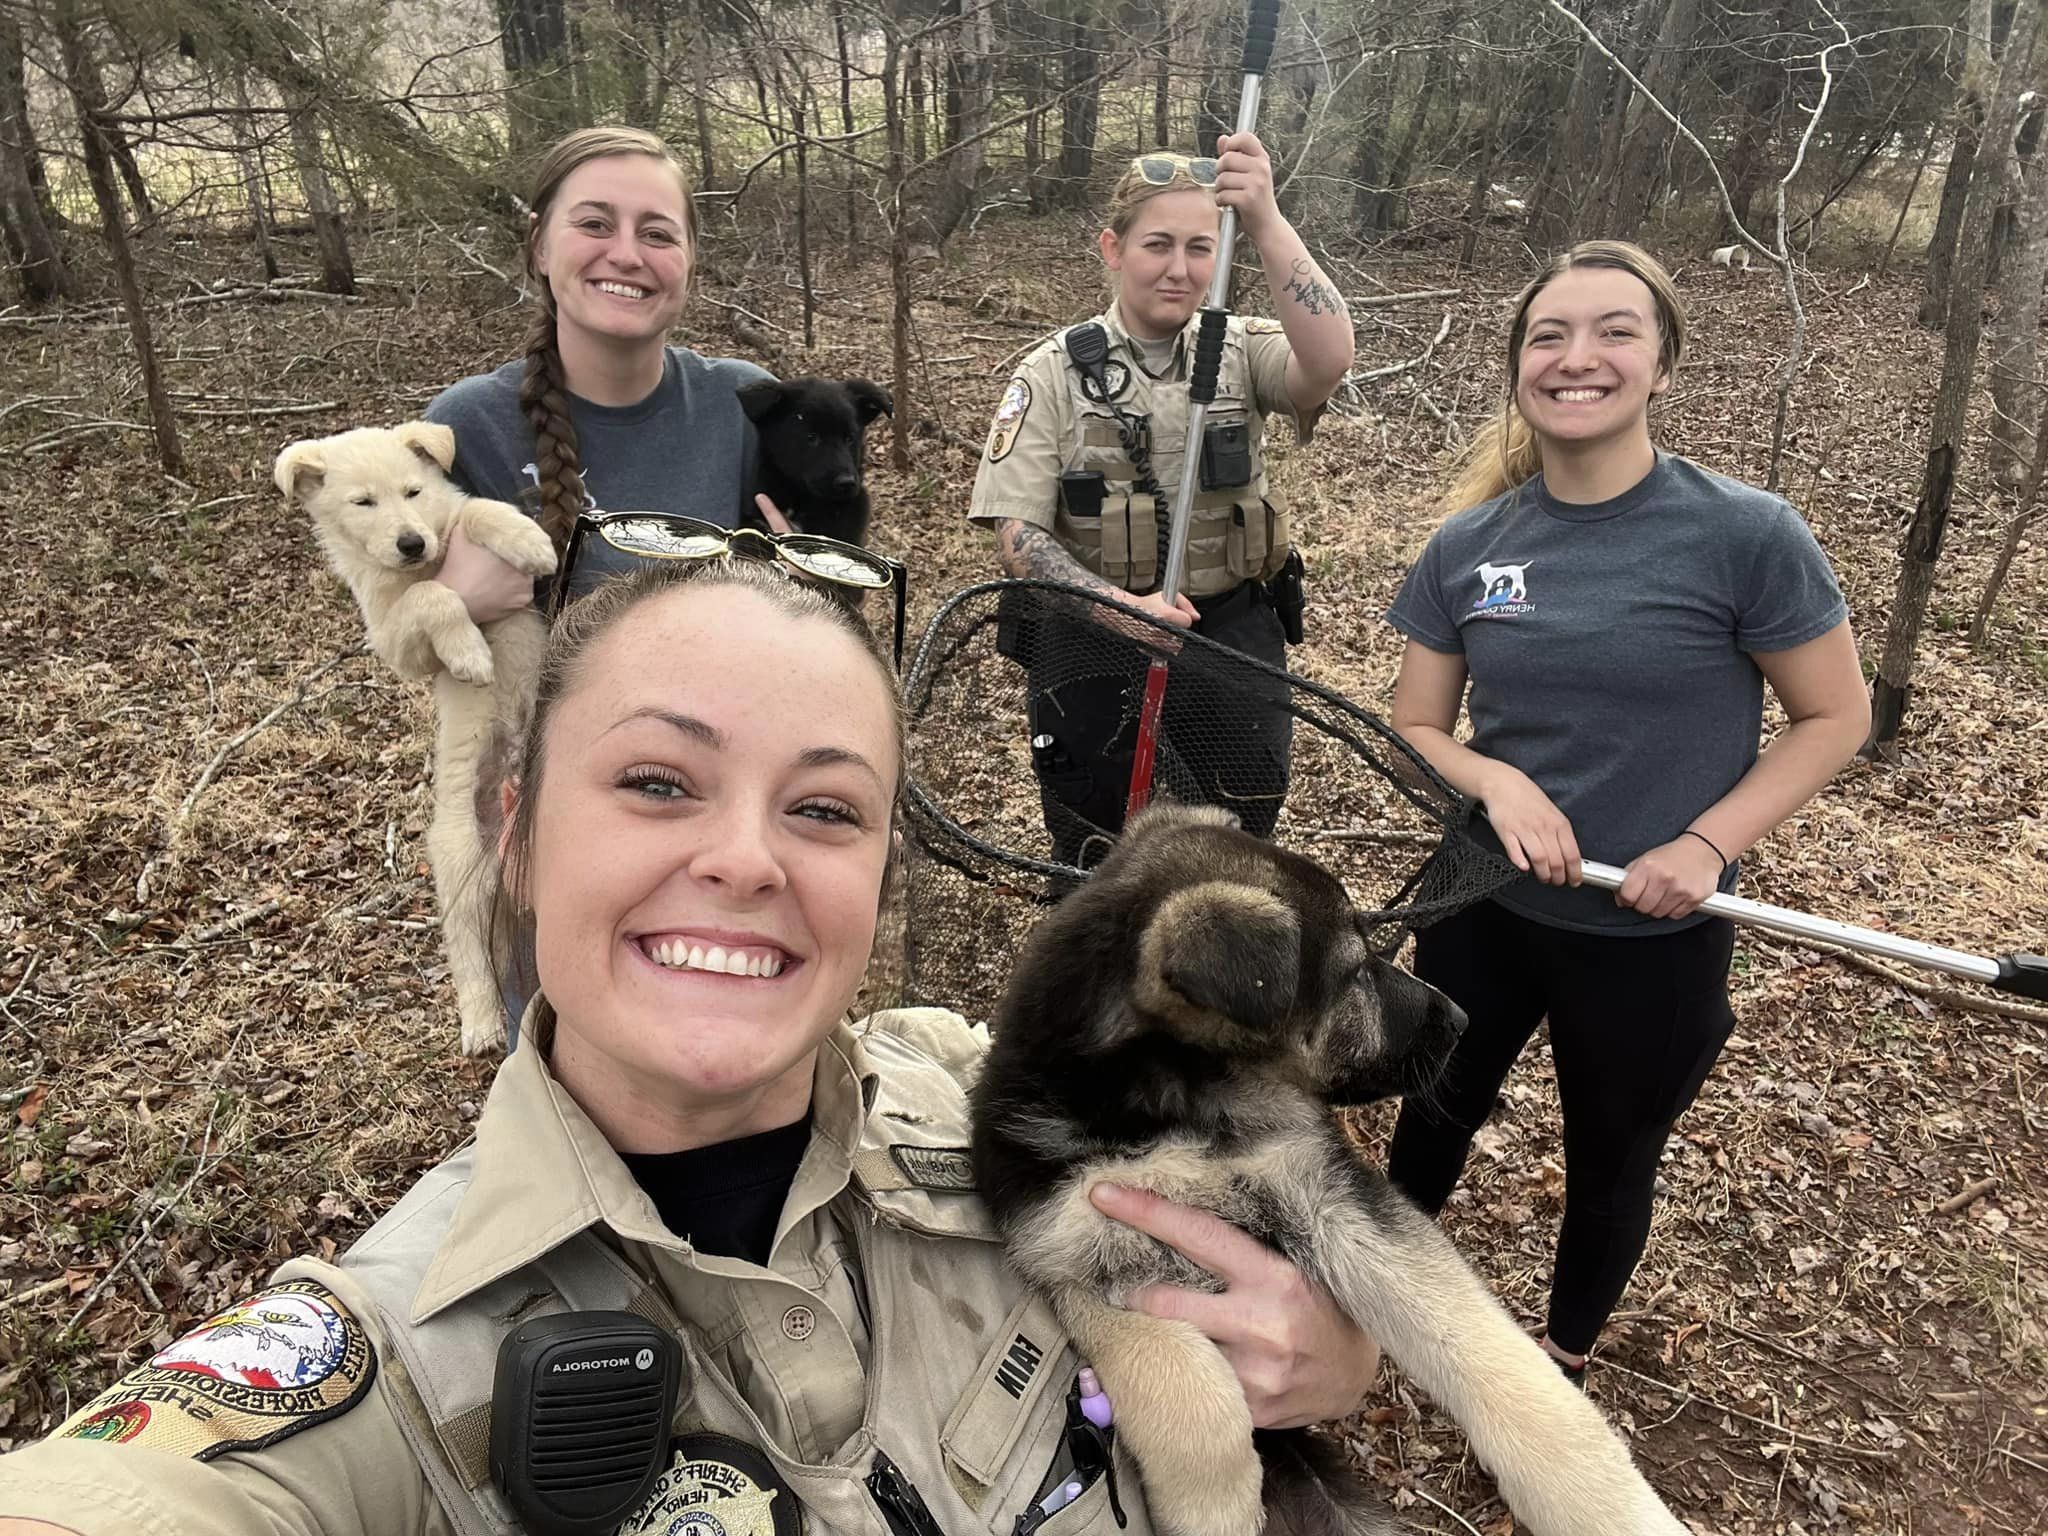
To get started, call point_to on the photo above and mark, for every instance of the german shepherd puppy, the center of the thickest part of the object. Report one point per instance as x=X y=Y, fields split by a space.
x=1183 y=1023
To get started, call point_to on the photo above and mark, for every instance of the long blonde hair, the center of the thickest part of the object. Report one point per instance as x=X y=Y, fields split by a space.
x=1505 y=452
x=544 y=389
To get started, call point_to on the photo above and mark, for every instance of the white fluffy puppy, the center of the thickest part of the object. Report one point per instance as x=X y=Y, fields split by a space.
x=384 y=508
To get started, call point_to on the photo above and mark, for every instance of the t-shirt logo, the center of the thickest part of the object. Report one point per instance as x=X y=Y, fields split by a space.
x=1503 y=591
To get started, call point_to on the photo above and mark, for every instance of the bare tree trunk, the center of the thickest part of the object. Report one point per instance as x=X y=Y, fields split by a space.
x=337 y=268
x=973 y=70
x=1641 y=177
x=252 y=185
x=846 y=123
x=803 y=216
x=1979 y=74
x=2025 y=511
x=913 y=72
x=700 y=95
x=899 y=243
x=1162 y=81
x=82 y=80
x=1906 y=202
x=1380 y=82
x=32 y=245
x=540 y=88
x=1391 y=211
x=2015 y=333
x=1486 y=156
x=1893 y=690
x=1080 y=117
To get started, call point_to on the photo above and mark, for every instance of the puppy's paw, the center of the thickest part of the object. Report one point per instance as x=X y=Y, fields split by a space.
x=467 y=658
x=518 y=541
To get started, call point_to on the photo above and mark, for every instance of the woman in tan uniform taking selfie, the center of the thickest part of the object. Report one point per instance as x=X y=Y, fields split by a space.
x=1079 y=474
x=690 y=1141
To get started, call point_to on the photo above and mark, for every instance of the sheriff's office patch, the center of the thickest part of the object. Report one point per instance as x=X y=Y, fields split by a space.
x=947 y=1168
x=284 y=1360
x=1260 y=325
x=1002 y=432
x=1116 y=377
x=717 y=1486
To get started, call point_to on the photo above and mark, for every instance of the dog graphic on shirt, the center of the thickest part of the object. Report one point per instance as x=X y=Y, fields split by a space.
x=1502 y=584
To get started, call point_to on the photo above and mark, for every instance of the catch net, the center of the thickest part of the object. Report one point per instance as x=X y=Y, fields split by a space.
x=1024 y=701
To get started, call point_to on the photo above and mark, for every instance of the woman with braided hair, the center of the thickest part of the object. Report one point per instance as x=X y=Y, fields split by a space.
x=601 y=411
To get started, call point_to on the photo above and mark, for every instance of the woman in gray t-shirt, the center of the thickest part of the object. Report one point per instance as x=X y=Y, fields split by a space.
x=1617 y=612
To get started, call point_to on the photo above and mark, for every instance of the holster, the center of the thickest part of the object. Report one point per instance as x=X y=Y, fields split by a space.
x=1289 y=596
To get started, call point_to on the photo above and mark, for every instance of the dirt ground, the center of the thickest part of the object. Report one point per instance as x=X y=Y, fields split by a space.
x=226 y=1034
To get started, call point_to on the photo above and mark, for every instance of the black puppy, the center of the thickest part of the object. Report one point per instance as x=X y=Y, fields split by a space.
x=810 y=432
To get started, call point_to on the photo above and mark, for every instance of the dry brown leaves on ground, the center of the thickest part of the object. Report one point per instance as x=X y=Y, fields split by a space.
x=225 y=1036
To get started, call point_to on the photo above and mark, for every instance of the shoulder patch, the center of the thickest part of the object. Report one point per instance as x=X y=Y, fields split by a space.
x=289 y=1357
x=1260 y=325
x=1002 y=432
x=717 y=1486
x=942 y=1168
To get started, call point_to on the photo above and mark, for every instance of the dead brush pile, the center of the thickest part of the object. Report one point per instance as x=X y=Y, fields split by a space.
x=225 y=1036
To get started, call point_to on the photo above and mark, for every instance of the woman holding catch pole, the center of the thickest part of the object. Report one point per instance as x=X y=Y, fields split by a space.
x=1617 y=612
x=714 y=1260
x=1087 y=450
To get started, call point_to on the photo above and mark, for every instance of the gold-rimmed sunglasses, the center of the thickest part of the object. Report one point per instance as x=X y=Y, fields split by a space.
x=1160 y=169
x=845 y=568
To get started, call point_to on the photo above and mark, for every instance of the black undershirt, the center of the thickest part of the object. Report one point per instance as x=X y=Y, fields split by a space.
x=725 y=1199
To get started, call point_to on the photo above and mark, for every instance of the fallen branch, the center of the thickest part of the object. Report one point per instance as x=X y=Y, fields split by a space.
x=1378 y=838
x=1385 y=300
x=314 y=409
x=1948 y=997
x=1443 y=330
x=1963 y=1198
x=298 y=697
x=231 y=924
x=1794 y=1439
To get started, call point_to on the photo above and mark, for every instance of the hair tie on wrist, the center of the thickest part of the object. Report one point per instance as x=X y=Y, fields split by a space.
x=1689 y=832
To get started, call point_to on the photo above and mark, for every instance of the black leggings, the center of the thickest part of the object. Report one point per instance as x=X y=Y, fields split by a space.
x=1635 y=1026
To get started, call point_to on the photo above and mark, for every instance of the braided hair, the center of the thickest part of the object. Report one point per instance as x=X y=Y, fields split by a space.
x=544 y=390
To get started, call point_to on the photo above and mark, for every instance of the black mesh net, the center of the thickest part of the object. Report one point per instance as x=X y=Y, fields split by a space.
x=1025 y=700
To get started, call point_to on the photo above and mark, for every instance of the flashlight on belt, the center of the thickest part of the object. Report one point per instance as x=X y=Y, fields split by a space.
x=580 y=1413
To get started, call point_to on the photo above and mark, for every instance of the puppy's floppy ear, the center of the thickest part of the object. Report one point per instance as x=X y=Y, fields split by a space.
x=430 y=440
x=869 y=400
x=300 y=459
x=760 y=398
x=1228 y=948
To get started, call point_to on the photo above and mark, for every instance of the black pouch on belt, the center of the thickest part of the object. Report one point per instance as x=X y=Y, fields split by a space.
x=1289 y=597
x=1226 y=455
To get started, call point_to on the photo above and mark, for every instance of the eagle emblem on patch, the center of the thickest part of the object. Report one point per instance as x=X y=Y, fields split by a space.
x=1002 y=432
x=1116 y=377
x=1261 y=325
x=717 y=1486
x=945 y=1168
x=285 y=1359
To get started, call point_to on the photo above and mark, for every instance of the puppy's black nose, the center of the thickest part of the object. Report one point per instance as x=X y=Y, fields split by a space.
x=411 y=545
x=845 y=485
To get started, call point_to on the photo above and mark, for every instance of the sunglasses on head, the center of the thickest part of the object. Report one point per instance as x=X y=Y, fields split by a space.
x=843 y=569
x=1159 y=170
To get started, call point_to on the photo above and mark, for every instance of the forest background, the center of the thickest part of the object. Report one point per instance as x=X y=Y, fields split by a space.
x=225 y=1030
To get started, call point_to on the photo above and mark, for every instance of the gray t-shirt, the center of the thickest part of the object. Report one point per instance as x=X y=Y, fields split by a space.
x=1609 y=648
x=686 y=448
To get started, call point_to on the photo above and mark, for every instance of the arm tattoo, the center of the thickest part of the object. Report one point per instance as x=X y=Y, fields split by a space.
x=1310 y=292
x=1025 y=549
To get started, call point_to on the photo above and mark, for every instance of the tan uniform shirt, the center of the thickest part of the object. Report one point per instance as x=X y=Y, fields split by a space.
x=1049 y=423
x=885 y=1323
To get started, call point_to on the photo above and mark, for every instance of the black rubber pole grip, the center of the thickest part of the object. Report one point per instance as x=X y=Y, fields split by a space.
x=1208 y=356
x=1261 y=23
x=2026 y=975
